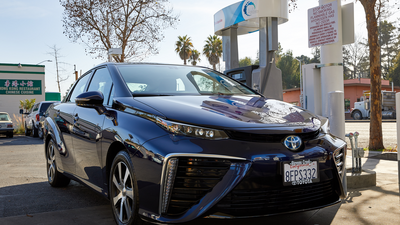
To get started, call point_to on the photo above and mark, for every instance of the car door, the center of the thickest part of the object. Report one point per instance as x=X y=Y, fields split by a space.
x=88 y=129
x=63 y=117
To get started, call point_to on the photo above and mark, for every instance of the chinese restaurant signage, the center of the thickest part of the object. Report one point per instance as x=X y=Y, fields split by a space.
x=20 y=87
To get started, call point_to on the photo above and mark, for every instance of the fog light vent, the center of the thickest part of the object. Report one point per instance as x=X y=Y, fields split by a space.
x=169 y=182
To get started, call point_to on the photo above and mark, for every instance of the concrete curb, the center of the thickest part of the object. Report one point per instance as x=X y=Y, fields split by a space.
x=366 y=178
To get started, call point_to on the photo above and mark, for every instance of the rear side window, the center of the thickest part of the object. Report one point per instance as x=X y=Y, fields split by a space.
x=80 y=87
x=45 y=106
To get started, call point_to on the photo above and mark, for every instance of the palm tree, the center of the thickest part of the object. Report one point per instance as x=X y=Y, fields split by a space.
x=195 y=57
x=183 y=47
x=213 y=50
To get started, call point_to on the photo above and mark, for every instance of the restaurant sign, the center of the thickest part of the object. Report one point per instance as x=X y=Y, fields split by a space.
x=20 y=87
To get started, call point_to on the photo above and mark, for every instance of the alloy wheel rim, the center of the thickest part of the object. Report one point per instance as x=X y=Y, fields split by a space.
x=123 y=196
x=51 y=163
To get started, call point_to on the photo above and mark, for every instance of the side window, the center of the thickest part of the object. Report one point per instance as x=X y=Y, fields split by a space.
x=35 y=107
x=101 y=81
x=79 y=88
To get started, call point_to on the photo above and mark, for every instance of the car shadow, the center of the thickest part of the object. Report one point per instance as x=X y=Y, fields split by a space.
x=20 y=140
x=32 y=198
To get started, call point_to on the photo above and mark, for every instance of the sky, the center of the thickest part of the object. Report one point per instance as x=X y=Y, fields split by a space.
x=29 y=28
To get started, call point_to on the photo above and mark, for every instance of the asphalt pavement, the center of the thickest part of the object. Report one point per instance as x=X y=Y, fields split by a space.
x=26 y=197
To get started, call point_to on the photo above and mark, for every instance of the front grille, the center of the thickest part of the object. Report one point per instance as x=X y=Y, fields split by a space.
x=255 y=202
x=270 y=138
x=339 y=156
x=195 y=177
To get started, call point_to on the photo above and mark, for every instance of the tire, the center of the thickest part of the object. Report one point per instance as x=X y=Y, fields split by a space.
x=357 y=115
x=34 y=131
x=40 y=133
x=55 y=178
x=27 y=131
x=10 y=135
x=123 y=191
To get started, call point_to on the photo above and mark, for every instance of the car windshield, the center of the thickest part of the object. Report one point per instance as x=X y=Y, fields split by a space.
x=150 y=80
x=4 y=117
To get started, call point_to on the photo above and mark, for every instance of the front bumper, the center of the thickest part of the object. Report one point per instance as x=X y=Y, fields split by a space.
x=252 y=186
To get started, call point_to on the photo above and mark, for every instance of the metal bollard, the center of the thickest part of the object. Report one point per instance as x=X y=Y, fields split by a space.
x=357 y=155
x=350 y=136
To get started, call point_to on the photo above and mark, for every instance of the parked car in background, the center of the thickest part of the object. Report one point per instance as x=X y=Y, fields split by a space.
x=41 y=122
x=6 y=125
x=32 y=119
x=172 y=144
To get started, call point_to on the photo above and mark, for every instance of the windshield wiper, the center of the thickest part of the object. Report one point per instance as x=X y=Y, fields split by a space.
x=148 y=95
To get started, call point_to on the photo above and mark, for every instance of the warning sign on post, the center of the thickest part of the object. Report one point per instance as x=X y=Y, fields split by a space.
x=323 y=25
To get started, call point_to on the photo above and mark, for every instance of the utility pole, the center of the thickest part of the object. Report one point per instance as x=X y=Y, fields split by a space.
x=76 y=73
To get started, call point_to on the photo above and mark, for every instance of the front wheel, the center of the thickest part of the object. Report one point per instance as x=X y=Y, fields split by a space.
x=40 y=133
x=123 y=191
x=55 y=178
x=357 y=115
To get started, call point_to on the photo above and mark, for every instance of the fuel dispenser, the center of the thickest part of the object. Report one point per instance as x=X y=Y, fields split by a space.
x=242 y=74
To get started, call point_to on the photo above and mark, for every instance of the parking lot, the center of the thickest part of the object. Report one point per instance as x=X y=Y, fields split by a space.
x=27 y=198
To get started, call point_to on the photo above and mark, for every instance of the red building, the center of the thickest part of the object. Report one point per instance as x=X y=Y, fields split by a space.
x=353 y=90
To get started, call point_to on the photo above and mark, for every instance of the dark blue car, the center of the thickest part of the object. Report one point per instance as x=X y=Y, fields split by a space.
x=173 y=144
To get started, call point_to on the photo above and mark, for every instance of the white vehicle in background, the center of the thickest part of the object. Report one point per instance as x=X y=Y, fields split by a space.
x=6 y=125
x=362 y=108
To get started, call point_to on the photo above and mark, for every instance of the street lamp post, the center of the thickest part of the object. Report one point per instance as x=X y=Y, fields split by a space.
x=44 y=61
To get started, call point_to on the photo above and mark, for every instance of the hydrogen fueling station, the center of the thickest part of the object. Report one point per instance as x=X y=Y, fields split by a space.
x=330 y=25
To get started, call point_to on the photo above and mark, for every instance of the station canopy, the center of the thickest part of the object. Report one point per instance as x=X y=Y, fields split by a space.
x=245 y=15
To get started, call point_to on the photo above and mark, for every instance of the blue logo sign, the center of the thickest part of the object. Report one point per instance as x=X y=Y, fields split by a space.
x=292 y=142
x=249 y=8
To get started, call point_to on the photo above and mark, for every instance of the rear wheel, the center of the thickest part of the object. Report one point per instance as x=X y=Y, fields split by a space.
x=123 y=191
x=55 y=178
x=10 y=135
x=34 y=131
x=27 y=131
x=357 y=115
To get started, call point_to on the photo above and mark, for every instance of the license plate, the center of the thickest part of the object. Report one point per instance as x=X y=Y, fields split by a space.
x=300 y=172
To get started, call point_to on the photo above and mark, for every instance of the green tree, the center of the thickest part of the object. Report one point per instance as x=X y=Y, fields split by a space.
x=290 y=70
x=27 y=104
x=394 y=72
x=194 y=57
x=213 y=50
x=136 y=26
x=184 y=47
x=246 y=61
x=389 y=46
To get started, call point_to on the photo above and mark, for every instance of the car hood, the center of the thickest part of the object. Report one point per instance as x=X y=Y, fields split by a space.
x=233 y=112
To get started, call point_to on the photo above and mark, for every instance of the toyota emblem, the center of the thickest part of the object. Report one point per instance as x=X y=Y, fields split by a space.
x=292 y=142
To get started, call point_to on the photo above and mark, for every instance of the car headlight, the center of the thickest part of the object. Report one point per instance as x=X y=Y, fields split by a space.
x=325 y=128
x=190 y=130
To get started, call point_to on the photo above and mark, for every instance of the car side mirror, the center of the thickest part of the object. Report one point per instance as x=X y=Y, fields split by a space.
x=91 y=99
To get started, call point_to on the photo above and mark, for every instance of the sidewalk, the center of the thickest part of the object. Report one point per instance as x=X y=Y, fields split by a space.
x=373 y=205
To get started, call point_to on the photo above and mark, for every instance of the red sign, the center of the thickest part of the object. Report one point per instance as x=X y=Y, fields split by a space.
x=323 y=25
